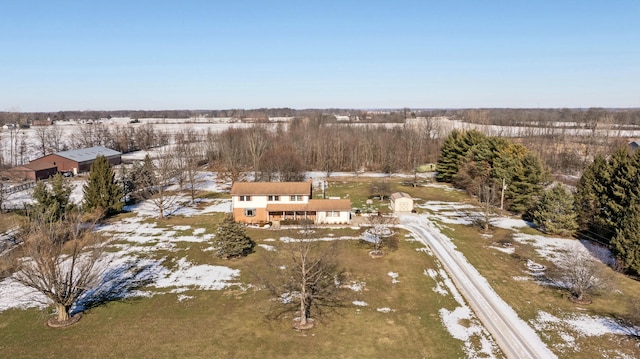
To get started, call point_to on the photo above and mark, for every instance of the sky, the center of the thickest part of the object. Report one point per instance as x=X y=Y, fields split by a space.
x=163 y=55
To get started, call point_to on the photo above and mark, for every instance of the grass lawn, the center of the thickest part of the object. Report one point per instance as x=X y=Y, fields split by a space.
x=234 y=323
x=527 y=297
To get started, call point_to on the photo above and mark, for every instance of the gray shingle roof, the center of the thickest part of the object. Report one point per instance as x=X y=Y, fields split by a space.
x=88 y=154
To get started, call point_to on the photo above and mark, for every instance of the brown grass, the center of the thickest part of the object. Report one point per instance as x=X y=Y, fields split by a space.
x=234 y=322
x=529 y=297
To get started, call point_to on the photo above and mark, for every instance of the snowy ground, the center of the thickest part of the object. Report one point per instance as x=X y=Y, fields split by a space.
x=568 y=326
x=136 y=266
x=461 y=322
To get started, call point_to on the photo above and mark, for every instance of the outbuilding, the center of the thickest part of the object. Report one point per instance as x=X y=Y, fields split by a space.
x=30 y=172
x=80 y=160
x=401 y=202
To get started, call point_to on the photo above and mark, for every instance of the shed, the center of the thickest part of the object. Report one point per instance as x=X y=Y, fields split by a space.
x=79 y=160
x=30 y=172
x=401 y=202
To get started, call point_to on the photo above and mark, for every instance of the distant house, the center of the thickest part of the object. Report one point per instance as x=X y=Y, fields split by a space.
x=633 y=145
x=46 y=122
x=401 y=202
x=79 y=160
x=261 y=202
x=30 y=172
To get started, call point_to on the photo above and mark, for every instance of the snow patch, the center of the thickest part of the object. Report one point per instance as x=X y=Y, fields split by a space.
x=267 y=247
x=394 y=277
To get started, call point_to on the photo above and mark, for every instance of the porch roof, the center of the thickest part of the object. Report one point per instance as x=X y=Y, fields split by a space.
x=314 y=205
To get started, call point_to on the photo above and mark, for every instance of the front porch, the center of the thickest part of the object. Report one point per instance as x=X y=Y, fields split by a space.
x=291 y=216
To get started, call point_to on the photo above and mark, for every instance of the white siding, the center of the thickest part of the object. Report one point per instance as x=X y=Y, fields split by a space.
x=402 y=205
x=337 y=217
x=256 y=202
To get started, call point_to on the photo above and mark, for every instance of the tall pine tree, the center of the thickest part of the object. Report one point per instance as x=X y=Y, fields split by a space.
x=555 y=213
x=625 y=244
x=54 y=200
x=102 y=192
x=591 y=194
x=454 y=150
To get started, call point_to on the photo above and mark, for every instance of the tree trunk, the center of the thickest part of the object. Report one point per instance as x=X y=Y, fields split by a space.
x=63 y=312
x=303 y=310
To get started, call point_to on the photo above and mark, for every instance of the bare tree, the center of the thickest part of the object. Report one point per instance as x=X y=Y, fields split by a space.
x=163 y=176
x=579 y=273
x=229 y=146
x=188 y=158
x=42 y=138
x=62 y=261
x=380 y=189
x=56 y=138
x=308 y=281
x=23 y=149
x=487 y=195
x=14 y=131
x=3 y=196
x=379 y=233
x=257 y=144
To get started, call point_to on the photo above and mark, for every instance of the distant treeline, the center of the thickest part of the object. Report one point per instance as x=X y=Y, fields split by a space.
x=489 y=116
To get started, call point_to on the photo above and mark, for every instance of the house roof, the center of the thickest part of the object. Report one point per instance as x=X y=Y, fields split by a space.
x=329 y=205
x=28 y=167
x=398 y=195
x=271 y=188
x=37 y=166
x=313 y=205
x=88 y=154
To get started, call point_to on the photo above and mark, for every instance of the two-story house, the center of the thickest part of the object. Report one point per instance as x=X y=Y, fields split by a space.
x=261 y=202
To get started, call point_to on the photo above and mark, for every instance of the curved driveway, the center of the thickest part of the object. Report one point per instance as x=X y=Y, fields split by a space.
x=514 y=336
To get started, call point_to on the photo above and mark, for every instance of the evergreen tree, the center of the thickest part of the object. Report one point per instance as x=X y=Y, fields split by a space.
x=231 y=239
x=625 y=244
x=523 y=174
x=450 y=154
x=144 y=178
x=590 y=197
x=555 y=213
x=55 y=200
x=620 y=189
x=127 y=181
x=101 y=191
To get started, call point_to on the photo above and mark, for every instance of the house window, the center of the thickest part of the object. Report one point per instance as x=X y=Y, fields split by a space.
x=245 y=198
x=296 y=198
x=274 y=198
x=333 y=214
x=250 y=212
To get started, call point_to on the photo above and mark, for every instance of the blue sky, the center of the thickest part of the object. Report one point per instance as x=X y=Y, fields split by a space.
x=138 y=54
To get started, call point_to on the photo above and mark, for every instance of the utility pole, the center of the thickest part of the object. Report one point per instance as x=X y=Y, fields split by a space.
x=502 y=195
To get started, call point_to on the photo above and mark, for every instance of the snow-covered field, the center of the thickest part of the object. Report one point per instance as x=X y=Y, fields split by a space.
x=70 y=129
x=442 y=127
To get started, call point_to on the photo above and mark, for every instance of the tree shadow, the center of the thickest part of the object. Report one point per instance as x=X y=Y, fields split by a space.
x=117 y=283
